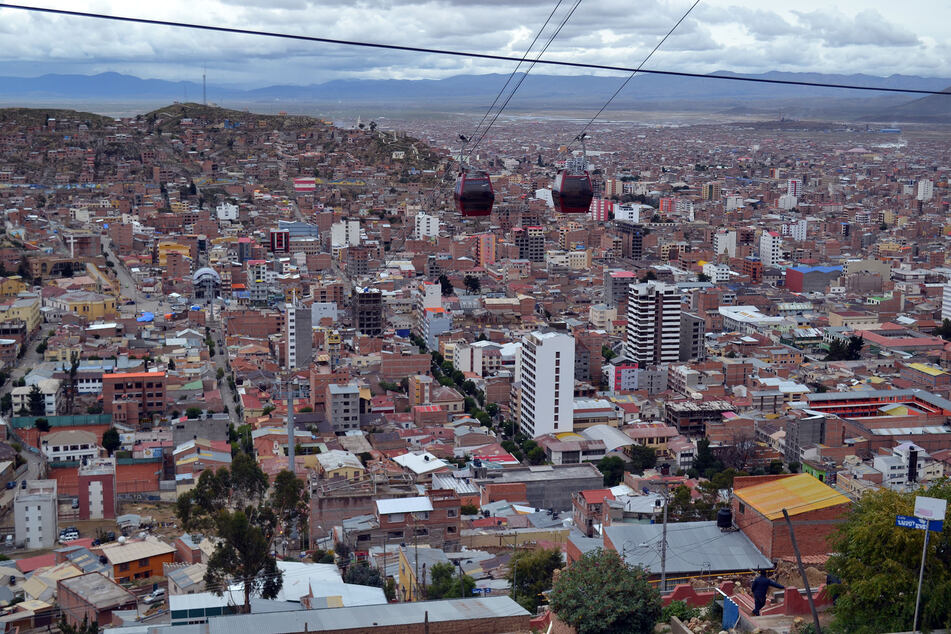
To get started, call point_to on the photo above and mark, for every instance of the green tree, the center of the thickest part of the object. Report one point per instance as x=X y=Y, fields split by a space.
x=612 y=468
x=110 y=440
x=36 y=402
x=469 y=509
x=530 y=573
x=220 y=373
x=846 y=350
x=193 y=412
x=445 y=285
x=290 y=500
x=232 y=504
x=878 y=564
x=607 y=353
x=42 y=424
x=703 y=277
x=473 y=284
x=445 y=583
x=601 y=594
x=6 y=402
x=944 y=330
x=642 y=457
x=362 y=574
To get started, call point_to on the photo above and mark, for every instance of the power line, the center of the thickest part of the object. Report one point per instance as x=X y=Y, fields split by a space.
x=436 y=51
x=517 y=66
x=580 y=137
x=523 y=77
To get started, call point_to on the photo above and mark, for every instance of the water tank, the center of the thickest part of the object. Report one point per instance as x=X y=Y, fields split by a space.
x=724 y=519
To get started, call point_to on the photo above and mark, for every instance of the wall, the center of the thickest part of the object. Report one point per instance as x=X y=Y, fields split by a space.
x=509 y=539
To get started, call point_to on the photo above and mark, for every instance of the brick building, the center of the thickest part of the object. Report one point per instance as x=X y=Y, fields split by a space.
x=815 y=509
x=97 y=489
x=144 y=389
x=92 y=596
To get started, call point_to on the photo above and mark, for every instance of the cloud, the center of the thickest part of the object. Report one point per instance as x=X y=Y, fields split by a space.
x=737 y=35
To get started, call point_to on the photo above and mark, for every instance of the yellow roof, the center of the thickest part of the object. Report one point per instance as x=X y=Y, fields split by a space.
x=927 y=369
x=798 y=493
x=569 y=435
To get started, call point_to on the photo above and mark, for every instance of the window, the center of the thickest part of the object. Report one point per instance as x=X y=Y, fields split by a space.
x=742 y=508
x=143 y=563
x=451 y=512
x=124 y=566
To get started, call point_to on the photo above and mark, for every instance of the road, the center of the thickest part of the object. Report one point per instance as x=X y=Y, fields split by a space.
x=159 y=306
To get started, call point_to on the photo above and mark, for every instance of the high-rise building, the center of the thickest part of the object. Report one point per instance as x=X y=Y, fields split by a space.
x=632 y=239
x=794 y=187
x=530 y=242
x=426 y=227
x=367 y=311
x=485 y=249
x=946 y=302
x=299 y=351
x=691 y=337
x=342 y=407
x=724 y=241
x=601 y=209
x=710 y=191
x=426 y=295
x=653 y=324
x=925 y=189
x=547 y=371
x=770 y=248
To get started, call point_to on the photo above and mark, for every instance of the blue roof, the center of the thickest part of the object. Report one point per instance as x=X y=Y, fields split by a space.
x=816 y=269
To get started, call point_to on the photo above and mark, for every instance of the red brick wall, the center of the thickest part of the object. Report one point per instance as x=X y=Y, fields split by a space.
x=512 y=492
x=771 y=537
x=498 y=625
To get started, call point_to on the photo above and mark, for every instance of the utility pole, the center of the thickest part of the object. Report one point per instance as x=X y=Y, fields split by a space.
x=665 y=494
x=802 y=572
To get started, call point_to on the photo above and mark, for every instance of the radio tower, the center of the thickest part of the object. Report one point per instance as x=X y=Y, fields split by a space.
x=204 y=94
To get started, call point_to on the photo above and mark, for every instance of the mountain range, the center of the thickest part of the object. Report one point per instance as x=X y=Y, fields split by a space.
x=537 y=92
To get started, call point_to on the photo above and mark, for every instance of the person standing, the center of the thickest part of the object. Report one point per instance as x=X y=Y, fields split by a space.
x=760 y=587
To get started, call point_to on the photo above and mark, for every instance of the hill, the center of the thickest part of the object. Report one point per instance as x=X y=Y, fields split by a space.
x=930 y=109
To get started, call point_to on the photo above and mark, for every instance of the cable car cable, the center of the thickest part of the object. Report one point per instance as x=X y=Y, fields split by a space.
x=503 y=58
x=522 y=78
x=631 y=76
x=517 y=66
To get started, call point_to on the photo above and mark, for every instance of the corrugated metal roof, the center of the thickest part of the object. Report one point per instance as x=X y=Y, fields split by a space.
x=392 y=614
x=691 y=547
x=798 y=494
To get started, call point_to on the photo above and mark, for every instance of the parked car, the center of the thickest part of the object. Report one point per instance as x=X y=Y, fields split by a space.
x=68 y=535
x=156 y=596
x=23 y=484
x=11 y=484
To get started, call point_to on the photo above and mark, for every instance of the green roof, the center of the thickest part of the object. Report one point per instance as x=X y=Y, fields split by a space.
x=76 y=420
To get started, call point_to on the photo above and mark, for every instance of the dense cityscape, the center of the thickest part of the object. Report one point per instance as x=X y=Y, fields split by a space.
x=376 y=374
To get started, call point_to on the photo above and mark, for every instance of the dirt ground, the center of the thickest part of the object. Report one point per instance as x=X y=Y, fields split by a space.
x=787 y=573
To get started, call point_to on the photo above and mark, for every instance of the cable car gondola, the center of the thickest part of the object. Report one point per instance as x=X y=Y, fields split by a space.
x=572 y=193
x=473 y=194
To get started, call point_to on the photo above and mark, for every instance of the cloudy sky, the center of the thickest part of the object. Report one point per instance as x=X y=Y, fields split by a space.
x=879 y=37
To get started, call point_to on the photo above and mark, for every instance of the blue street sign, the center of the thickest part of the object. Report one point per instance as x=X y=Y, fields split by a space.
x=477 y=591
x=907 y=521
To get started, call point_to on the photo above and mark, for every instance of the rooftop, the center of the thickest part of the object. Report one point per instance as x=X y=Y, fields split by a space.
x=797 y=494
x=98 y=590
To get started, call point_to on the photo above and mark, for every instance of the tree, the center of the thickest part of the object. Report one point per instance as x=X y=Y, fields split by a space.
x=703 y=277
x=530 y=573
x=37 y=402
x=473 y=284
x=363 y=575
x=6 y=402
x=469 y=509
x=608 y=353
x=612 y=468
x=290 y=500
x=193 y=412
x=42 y=424
x=944 y=330
x=445 y=285
x=878 y=564
x=445 y=583
x=219 y=373
x=110 y=440
x=232 y=504
x=601 y=594
x=642 y=457
x=846 y=350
